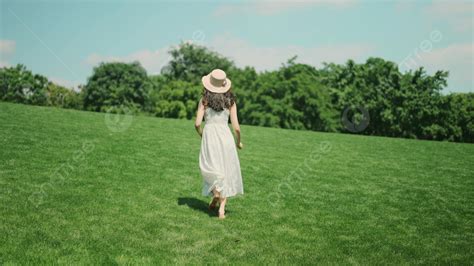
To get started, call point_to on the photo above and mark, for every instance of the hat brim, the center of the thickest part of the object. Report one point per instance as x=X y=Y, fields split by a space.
x=206 y=82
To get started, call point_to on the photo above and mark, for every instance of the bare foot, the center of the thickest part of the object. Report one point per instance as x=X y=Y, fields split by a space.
x=221 y=215
x=213 y=203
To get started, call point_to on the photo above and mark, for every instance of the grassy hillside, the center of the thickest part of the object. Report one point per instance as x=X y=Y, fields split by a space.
x=75 y=188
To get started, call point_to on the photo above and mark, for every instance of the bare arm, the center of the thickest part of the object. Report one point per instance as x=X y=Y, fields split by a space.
x=235 y=124
x=199 y=117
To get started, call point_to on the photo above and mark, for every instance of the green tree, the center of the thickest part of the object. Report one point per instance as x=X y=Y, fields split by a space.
x=190 y=62
x=117 y=85
x=295 y=96
x=17 y=84
x=457 y=113
x=291 y=97
x=174 y=99
x=62 y=97
x=399 y=104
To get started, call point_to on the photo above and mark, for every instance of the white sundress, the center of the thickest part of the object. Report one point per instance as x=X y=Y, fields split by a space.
x=218 y=159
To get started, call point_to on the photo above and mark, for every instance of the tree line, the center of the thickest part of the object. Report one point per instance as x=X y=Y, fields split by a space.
x=370 y=98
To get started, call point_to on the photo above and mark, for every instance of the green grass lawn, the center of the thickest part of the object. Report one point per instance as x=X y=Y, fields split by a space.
x=76 y=189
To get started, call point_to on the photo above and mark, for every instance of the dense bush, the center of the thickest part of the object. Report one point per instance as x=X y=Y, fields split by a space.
x=63 y=97
x=117 y=84
x=174 y=98
x=17 y=84
x=335 y=98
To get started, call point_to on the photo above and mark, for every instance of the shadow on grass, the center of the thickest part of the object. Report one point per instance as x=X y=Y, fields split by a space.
x=199 y=205
x=196 y=204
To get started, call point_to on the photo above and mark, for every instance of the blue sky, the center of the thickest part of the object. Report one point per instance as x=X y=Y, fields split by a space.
x=64 y=40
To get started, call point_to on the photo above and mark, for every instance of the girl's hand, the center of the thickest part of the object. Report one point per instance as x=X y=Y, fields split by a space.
x=240 y=145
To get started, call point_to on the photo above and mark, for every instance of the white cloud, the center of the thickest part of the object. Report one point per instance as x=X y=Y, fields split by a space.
x=65 y=83
x=247 y=54
x=262 y=58
x=269 y=7
x=458 y=14
x=152 y=61
x=458 y=59
x=4 y=64
x=7 y=49
x=403 y=6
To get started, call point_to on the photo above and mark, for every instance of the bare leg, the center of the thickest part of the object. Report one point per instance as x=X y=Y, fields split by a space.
x=215 y=199
x=223 y=201
x=216 y=193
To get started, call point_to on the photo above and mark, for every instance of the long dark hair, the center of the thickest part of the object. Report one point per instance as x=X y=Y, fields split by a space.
x=218 y=101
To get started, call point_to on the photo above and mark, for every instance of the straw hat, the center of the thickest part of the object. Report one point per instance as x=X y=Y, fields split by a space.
x=216 y=81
